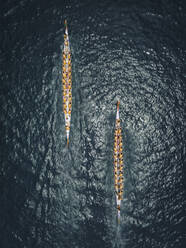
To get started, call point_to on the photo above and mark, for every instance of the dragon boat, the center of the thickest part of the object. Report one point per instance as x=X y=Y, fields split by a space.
x=67 y=82
x=118 y=162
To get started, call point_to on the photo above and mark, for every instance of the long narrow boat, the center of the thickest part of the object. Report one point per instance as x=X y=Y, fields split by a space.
x=67 y=82
x=118 y=162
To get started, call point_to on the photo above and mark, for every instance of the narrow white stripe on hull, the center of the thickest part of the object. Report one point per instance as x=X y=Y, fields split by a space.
x=117 y=115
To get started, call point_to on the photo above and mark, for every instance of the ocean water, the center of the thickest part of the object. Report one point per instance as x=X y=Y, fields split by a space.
x=55 y=197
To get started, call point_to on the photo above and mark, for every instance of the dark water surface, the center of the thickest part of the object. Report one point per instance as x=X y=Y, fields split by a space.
x=51 y=197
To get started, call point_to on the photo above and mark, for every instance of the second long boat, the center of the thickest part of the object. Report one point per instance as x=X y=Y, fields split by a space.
x=67 y=82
